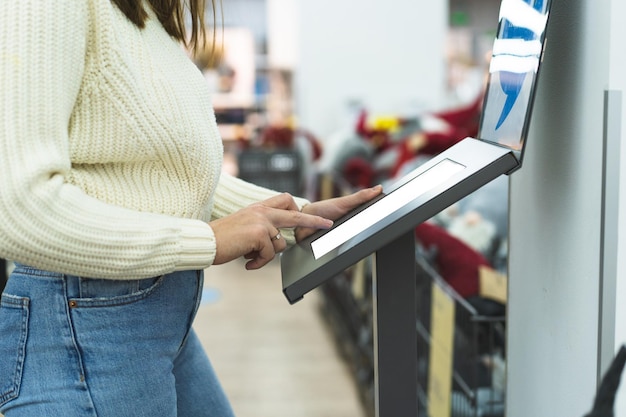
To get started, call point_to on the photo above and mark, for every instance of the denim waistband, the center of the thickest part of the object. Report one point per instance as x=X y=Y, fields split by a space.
x=109 y=290
x=29 y=270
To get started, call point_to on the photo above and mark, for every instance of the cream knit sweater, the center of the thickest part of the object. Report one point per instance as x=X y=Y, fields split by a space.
x=110 y=156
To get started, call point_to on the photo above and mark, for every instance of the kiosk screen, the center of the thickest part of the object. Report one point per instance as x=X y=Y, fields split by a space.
x=434 y=176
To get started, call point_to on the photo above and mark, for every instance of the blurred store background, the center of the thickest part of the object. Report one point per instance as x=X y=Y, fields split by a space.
x=320 y=98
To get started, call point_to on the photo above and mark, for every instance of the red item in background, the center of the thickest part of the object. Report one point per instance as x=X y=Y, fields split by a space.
x=378 y=138
x=284 y=137
x=462 y=122
x=457 y=263
x=277 y=137
x=358 y=173
x=464 y=119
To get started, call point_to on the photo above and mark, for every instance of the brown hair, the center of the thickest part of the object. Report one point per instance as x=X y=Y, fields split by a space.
x=171 y=14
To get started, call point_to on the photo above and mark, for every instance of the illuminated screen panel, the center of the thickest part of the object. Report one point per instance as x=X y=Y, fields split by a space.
x=513 y=71
x=408 y=192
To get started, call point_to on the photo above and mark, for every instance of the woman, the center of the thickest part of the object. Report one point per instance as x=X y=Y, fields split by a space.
x=112 y=204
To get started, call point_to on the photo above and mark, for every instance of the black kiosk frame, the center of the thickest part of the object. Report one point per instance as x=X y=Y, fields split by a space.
x=385 y=226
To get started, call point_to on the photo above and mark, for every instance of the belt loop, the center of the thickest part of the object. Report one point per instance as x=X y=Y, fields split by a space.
x=73 y=286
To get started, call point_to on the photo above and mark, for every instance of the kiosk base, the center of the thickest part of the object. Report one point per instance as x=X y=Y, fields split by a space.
x=395 y=336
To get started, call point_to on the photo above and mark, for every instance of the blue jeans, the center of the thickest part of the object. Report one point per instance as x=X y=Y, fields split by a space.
x=78 y=347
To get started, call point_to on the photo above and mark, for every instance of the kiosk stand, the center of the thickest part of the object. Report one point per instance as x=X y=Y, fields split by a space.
x=395 y=337
x=385 y=227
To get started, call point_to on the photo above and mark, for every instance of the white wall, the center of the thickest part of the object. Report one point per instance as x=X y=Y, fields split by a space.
x=617 y=81
x=555 y=213
x=282 y=31
x=389 y=55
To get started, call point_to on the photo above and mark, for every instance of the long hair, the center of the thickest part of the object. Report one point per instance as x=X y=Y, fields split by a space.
x=171 y=14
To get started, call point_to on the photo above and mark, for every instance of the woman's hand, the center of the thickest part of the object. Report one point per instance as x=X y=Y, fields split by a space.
x=253 y=232
x=334 y=208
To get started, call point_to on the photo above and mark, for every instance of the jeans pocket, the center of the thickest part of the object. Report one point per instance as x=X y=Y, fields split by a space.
x=14 y=313
x=110 y=293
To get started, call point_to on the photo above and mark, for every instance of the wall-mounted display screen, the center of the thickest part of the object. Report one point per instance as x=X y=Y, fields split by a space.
x=516 y=54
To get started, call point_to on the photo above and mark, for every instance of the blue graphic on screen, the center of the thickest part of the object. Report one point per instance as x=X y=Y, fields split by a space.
x=512 y=71
x=511 y=82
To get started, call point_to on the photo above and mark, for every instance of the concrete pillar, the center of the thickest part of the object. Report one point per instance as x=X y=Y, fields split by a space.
x=558 y=206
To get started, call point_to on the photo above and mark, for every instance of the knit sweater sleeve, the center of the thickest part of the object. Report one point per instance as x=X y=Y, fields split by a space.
x=45 y=221
x=233 y=194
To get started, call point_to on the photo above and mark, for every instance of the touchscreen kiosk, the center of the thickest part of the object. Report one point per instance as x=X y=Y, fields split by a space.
x=451 y=175
x=413 y=199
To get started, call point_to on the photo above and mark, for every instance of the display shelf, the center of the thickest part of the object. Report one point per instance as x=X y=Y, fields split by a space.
x=276 y=169
x=476 y=355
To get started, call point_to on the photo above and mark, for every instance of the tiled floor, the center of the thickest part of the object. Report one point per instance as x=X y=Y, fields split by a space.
x=274 y=359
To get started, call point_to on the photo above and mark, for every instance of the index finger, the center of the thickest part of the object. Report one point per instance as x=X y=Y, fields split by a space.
x=352 y=201
x=282 y=201
x=294 y=218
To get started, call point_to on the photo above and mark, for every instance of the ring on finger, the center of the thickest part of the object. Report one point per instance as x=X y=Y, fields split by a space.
x=277 y=237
